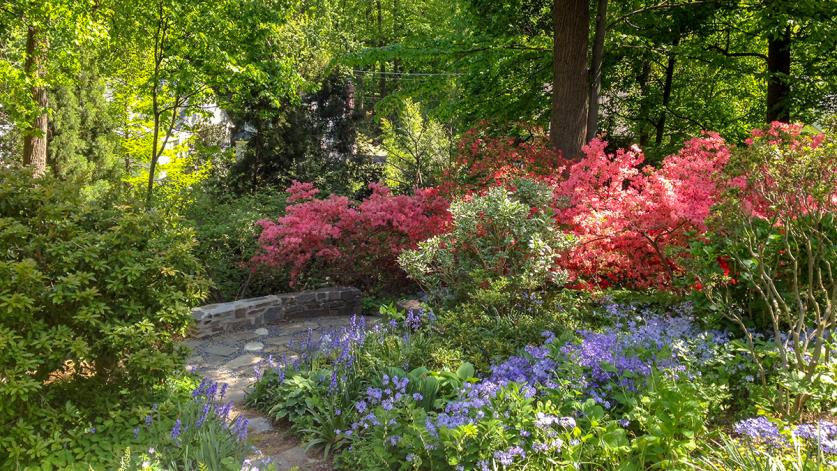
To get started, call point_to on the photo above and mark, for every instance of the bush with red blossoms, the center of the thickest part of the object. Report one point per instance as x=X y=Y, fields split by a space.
x=341 y=241
x=486 y=161
x=628 y=218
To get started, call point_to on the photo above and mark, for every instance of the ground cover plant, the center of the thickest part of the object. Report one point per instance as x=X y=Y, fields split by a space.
x=646 y=391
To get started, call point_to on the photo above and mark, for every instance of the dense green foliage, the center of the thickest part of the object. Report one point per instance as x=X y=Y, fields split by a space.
x=226 y=231
x=501 y=239
x=145 y=152
x=92 y=296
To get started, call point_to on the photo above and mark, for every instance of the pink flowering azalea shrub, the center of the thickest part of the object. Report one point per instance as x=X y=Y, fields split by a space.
x=353 y=243
x=628 y=218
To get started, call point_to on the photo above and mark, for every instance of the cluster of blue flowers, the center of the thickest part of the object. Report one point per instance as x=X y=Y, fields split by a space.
x=607 y=362
x=639 y=343
x=210 y=396
x=821 y=435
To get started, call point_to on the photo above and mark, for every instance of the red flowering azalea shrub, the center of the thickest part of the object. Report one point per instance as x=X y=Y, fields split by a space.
x=340 y=241
x=485 y=161
x=628 y=218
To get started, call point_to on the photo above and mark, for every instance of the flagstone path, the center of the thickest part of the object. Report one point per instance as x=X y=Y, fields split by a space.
x=232 y=358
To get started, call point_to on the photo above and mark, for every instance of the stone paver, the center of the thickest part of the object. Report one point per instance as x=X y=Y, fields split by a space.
x=220 y=349
x=230 y=358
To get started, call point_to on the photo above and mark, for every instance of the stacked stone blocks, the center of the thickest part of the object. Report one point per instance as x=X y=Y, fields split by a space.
x=221 y=318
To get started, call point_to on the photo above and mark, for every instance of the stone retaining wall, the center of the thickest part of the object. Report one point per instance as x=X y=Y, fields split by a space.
x=246 y=313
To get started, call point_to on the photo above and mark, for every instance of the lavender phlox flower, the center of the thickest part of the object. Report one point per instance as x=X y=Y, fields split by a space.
x=136 y=432
x=506 y=457
x=823 y=434
x=417 y=397
x=374 y=394
x=760 y=429
x=543 y=447
x=148 y=420
x=567 y=422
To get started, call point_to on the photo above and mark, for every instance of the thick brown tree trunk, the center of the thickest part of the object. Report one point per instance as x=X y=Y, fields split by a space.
x=778 y=72
x=596 y=60
x=568 y=123
x=35 y=142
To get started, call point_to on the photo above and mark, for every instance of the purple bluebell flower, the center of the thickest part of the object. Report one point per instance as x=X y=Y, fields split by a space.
x=175 y=431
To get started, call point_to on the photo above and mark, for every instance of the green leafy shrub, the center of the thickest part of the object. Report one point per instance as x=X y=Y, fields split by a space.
x=92 y=295
x=226 y=230
x=501 y=240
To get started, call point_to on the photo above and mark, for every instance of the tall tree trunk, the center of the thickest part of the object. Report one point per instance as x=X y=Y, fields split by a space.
x=380 y=19
x=596 y=60
x=35 y=142
x=778 y=72
x=645 y=119
x=568 y=123
x=672 y=61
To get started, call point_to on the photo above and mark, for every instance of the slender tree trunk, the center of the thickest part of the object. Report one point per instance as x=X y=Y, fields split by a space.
x=778 y=72
x=568 y=123
x=661 y=122
x=596 y=60
x=644 y=119
x=35 y=142
x=380 y=19
x=159 y=54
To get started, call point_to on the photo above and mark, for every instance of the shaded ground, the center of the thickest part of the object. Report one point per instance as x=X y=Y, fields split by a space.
x=232 y=358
